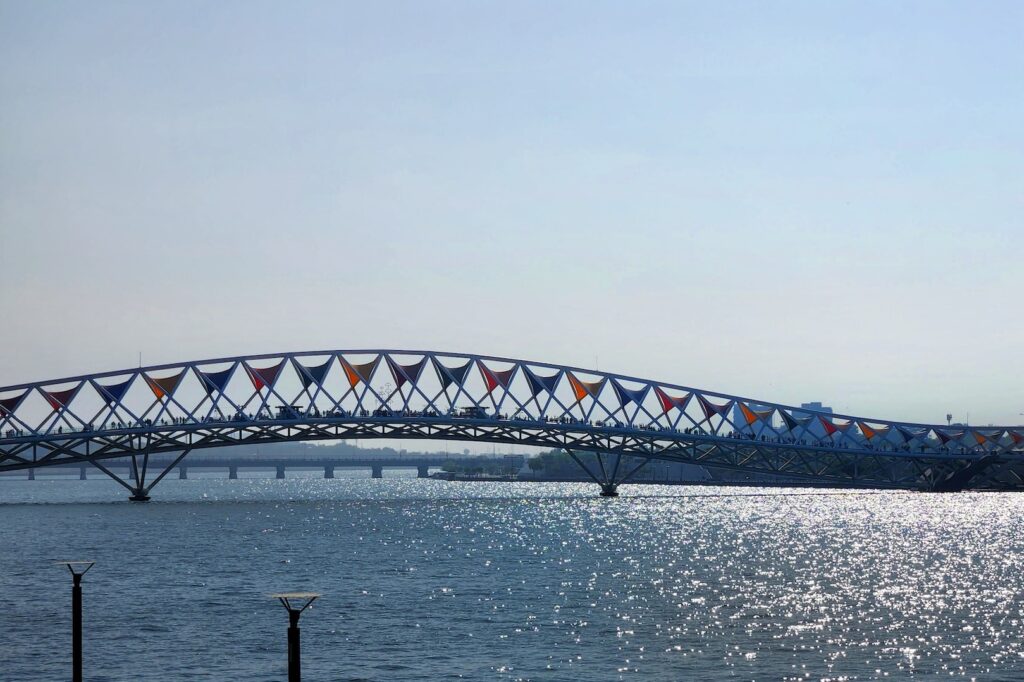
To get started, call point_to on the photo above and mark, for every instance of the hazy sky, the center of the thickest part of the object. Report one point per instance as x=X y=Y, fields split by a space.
x=788 y=200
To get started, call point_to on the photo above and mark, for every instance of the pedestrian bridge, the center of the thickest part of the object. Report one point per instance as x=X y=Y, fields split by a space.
x=611 y=424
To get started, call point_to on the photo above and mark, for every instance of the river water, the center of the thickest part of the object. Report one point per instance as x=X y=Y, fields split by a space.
x=429 y=580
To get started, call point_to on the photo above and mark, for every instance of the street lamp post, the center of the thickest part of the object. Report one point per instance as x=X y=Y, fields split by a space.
x=294 y=655
x=78 y=569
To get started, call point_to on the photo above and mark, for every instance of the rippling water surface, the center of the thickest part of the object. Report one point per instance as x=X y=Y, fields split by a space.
x=426 y=580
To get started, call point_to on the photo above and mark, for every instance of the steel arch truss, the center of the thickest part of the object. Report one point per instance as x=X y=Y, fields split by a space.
x=321 y=395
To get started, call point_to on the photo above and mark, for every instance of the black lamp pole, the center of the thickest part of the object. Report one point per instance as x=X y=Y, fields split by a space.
x=78 y=569
x=294 y=652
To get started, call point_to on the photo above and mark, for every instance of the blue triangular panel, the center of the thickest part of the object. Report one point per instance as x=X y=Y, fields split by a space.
x=215 y=381
x=114 y=394
x=626 y=395
x=449 y=375
x=540 y=383
x=317 y=374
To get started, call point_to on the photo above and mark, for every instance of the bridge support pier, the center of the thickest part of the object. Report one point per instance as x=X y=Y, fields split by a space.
x=608 y=475
x=422 y=472
x=232 y=472
x=31 y=474
x=182 y=473
x=81 y=474
x=139 y=495
x=377 y=471
x=280 y=472
x=328 y=472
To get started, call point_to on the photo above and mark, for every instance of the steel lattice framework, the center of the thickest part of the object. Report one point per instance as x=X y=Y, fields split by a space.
x=624 y=421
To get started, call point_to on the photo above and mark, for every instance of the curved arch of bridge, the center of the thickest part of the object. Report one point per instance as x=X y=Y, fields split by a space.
x=611 y=424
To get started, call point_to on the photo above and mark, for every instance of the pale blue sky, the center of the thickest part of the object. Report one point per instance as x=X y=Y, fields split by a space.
x=788 y=200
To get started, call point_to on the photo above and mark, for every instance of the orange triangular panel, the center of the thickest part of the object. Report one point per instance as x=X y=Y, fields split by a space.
x=748 y=414
x=582 y=389
x=868 y=432
x=164 y=387
x=357 y=373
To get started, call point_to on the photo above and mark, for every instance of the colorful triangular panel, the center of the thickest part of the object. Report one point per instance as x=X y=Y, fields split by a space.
x=909 y=435
x=406 y=373
x=214 y=381
x=829 y=427
x=265 y=376
x=540 y=383
x=356 y=373
x=626 y=395
x=451 y=375
x=582 y=389
x=9 y=405
x=494 y=378
x=311 y=375
x=58 y=399
x=669 y=402
x=710 y=409
x=748 y=414
x=164 y=387
x=114 y=394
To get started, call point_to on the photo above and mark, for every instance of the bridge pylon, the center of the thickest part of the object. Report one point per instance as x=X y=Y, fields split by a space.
x=610 y=473
x=139 y=484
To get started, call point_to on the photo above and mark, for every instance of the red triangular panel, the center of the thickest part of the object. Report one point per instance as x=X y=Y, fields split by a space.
x=494 y=378
x=829 y=427
x=58 y=399
x=669 y=402
x=263 y=377
x=9 y=405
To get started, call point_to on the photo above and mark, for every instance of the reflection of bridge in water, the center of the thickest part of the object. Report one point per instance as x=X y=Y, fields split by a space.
x=612 y=425
x=280 y=465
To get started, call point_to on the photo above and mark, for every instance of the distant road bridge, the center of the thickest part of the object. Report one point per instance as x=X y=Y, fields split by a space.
x=611 y=424
x=421 y=463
